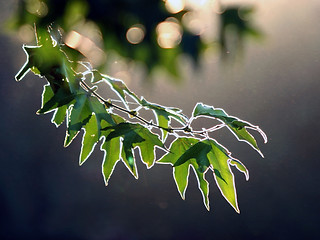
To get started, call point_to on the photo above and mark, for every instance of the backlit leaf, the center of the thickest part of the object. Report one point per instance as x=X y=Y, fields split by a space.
x=163 y=115
x=219 y=158
x=60 y=98
x=111 y=151
x=89 y=139
x=236 y=126
x=117 y=85
x=54 y=104
x=181 y=172
x=79 y=116
x=70 y=97
x=136 y=135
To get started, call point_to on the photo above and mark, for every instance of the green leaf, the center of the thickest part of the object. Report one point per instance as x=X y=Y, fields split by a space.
x=89 y=140
x=181 y=171
x=147 y=147
x=199 y=152
x=79 y=116
x=101 y=113
x=59 y=115
x=136 y=135
x=219 y=158
x=111 y=149
x=236 y=126
x=128 y=141
x=54 y=104
x=240 y=166
x=81 y=112
x=69 y=97
x=117 y=85
x=71 y=77
x=60 y=98
x=163 y=115
x=28 y=64
x=47 y=94
x=123 y=136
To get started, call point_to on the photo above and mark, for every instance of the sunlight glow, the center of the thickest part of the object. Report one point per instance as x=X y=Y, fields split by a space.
x=196 y=4
x=169 y=33
x=193 y=23
x=135 y=34
x=73 y=39
x=174 y=6
x=86 y=46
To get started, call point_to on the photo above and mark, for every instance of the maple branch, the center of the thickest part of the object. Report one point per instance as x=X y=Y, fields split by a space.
x=108 y=103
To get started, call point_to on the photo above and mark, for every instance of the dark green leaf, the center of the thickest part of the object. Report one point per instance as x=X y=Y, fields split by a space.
x=61 y=98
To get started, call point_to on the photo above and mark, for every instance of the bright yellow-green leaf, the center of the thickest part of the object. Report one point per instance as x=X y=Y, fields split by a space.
x=182 y=171
x=219 y=159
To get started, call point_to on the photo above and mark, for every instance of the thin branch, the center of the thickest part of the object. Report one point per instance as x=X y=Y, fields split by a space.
x=134 y=113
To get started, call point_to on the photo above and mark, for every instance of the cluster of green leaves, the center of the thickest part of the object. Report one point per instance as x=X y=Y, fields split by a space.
x=72 y=98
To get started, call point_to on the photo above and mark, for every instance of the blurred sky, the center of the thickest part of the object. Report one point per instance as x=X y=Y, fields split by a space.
x=44 y=194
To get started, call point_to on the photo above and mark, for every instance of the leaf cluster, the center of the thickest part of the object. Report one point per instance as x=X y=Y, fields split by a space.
x=113 y=18
x=72 y=98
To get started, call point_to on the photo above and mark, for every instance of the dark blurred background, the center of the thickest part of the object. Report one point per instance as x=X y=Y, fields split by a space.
x=273 y=82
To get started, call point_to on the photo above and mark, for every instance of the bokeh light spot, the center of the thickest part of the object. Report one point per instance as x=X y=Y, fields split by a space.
x=37 y=7
x=196 y=4
x=86 y=46
x=169 y=33
x=135 y=34
x=26 y=33
x=193 y=23
x=73 y=39
x=175 y=6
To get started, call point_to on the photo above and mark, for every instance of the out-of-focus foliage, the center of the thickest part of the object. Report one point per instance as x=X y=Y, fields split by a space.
x=154 y=32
